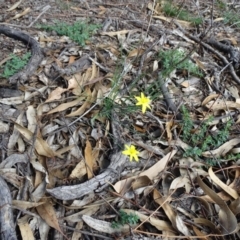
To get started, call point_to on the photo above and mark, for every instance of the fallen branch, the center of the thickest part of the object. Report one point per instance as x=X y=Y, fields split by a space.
x=7 y=226
x=97 y=183
x=224 y=60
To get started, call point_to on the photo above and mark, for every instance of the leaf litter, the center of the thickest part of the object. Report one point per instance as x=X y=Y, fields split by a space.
x=62 y=138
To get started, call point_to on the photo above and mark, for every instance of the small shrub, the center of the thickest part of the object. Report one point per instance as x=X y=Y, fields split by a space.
x=15 y=64
x=201 y=139
x=177 y=58
x=125 y=218
x=171 y=11
x=79 y=31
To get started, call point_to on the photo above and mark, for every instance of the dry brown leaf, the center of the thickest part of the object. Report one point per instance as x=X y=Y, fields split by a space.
x=135 y=52
x=112 y=34
x=159 y=224
x=209 y=98
x=225 y=187
x=85 y=105
x=222 y=150
x=48 y=214
x=14 y=6
x=102 y=10
x=235 y=206
x=56 y=94
x=199 y=233
x=176 y=221
x=26 y=11
x=41 y=146
x=77 y=234
x=65 y=106
x=79 y=171
x=26 y=231
x=151 y=173
x=140 y=182
x=25 y=204
x=89 y=159
x=168 y=130
x=208 y=223
x=221 y=104
x=228 y=221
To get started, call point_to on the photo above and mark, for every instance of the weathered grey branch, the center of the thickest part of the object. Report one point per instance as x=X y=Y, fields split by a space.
x=99 y=182
x=7 y=227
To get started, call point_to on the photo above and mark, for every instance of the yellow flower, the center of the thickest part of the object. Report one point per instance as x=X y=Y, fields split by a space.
x=144 y=101
x=131 y=152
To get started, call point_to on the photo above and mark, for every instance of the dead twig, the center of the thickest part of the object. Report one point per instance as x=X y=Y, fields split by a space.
x=224 y=60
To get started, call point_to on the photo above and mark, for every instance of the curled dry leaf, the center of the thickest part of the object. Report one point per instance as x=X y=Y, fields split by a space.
x=175 y=219
x=221 y=104
x=235 y=206
x=41 y=146
x=14 y=6
x=225 y=187
x=48 y=214
x=56 y=94
x=207 y=223
x=209 y=98
x=228 y=221
x=151 y=173
x=85 y=105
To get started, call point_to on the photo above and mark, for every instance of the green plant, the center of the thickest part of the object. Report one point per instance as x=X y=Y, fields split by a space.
x=170 y=10
x=177 y=58
x=222 y=5
x=231 y=17
x=79 y=31
x=125 y=218
x=201 y=139
x=15 y=64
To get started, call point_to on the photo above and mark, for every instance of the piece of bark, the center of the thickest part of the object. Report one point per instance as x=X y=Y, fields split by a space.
x=7 y=227
x=36 y=51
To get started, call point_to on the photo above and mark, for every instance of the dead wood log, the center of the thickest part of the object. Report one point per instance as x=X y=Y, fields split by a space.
x=98 y=183
x=36 y=57
x=7 y=227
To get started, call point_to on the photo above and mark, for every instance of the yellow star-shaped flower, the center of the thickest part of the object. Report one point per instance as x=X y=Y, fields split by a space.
x=131 y=152
x=144 y=101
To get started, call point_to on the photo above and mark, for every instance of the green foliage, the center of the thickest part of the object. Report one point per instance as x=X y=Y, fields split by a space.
x=171 y=11
x=201 y=139
x=222 y=5
x=79 y=31
x=231 y=17
x=125 y=218
x=177 y=58
x=15 y=64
